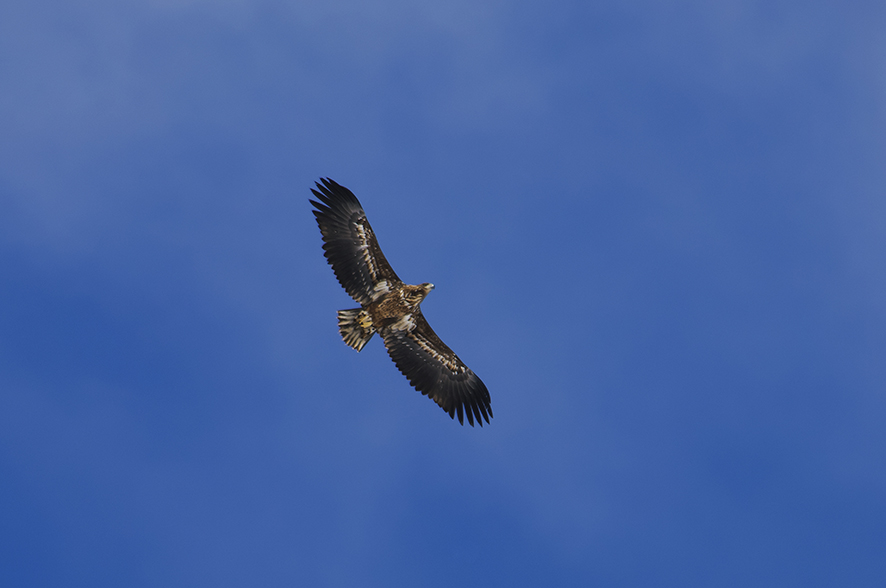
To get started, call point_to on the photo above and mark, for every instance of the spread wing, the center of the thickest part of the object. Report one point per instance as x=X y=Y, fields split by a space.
x=435 y=371
x=350 y=245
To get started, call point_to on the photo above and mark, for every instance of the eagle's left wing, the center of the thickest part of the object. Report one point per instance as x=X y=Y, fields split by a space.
x=436 y=371
x=349 y=243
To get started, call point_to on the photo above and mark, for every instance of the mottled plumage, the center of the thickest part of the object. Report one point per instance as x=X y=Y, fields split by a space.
x=391 y=308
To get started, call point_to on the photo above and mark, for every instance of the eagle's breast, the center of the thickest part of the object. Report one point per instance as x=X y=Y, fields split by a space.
x=391 y=308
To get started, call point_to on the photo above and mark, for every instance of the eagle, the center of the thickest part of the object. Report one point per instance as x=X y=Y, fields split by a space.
x=391 y=308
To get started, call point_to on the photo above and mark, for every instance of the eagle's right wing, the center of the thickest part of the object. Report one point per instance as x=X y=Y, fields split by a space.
x=350 y=245
x=436 y=371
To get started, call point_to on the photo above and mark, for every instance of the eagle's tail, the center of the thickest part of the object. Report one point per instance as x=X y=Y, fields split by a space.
x=355 y=327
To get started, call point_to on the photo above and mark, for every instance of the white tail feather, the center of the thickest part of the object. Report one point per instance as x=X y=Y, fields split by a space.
x=355 y=327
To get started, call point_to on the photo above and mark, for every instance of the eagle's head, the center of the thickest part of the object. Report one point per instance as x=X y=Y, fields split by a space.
x=415 y=294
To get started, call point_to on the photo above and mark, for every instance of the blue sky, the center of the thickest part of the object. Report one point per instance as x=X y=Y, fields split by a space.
x=657 y=231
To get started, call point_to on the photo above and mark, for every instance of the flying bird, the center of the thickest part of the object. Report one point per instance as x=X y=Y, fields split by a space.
x=391 y=308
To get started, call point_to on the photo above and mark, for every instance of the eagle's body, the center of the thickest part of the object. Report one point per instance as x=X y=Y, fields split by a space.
x=391 y=308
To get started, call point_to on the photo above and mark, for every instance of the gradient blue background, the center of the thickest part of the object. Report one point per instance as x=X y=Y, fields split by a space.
x=657 y=232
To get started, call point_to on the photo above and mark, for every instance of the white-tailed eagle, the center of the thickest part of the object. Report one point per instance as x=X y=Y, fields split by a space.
x=391 y=308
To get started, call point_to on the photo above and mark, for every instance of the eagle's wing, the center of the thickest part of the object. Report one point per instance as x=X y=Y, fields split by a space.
x=350 y=245
x=434 y=370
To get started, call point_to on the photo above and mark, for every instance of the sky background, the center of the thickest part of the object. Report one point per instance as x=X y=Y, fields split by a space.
x=657 y=232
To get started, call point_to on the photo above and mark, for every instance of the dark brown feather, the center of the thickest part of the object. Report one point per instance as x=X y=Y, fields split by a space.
x=349 y=243
x=437 y=372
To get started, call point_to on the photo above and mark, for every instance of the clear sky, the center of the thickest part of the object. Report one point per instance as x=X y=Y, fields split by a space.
x=657 y=232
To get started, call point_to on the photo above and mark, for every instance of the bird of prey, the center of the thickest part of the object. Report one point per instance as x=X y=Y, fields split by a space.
x=391 y=308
